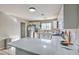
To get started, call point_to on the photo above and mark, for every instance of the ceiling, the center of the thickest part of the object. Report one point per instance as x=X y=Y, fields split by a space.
x=50 y=11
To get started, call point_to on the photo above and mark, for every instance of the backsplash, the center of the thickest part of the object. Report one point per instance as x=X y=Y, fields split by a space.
x=73 y=35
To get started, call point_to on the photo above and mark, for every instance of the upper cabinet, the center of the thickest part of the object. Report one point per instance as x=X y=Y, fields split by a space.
x=70 y=16
x=78 y=16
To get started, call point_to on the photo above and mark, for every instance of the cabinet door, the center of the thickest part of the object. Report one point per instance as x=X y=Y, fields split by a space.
x=70 y=16
x=2 y=44
x=78 y=16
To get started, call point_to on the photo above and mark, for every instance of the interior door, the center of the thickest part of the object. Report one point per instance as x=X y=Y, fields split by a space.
x=22 y=30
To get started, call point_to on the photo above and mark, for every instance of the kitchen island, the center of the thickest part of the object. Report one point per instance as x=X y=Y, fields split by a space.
x=4 y=39
x=34 y=46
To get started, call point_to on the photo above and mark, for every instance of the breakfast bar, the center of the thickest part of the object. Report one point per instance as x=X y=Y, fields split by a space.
x=34 y=46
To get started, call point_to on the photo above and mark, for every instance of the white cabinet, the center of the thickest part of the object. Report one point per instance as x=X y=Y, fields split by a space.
x=67 y=17
x=78 y=23
x=2 y=44
x=78 y=16
x=70 y=16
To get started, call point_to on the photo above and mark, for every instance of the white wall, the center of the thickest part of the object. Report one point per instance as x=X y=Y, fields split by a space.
x=61 y=18
x=10 y=25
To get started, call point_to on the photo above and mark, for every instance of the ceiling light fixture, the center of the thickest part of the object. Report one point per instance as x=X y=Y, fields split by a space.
x=43 y=15
x=32 y=9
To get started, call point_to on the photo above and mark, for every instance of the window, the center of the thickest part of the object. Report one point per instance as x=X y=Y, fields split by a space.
x=46 y=26
x=55 y=24
x=61 y=24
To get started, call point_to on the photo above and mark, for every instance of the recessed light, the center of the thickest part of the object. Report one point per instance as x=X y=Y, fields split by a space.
x=32 y=9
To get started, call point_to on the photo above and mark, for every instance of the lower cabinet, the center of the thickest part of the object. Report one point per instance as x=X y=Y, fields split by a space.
x=22 y=52
x=2 y=44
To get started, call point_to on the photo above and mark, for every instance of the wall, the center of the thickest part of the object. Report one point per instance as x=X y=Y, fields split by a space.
x=10 y=25
x=61 y=18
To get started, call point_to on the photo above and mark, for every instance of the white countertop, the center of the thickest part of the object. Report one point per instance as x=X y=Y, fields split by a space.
x=43 y=46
